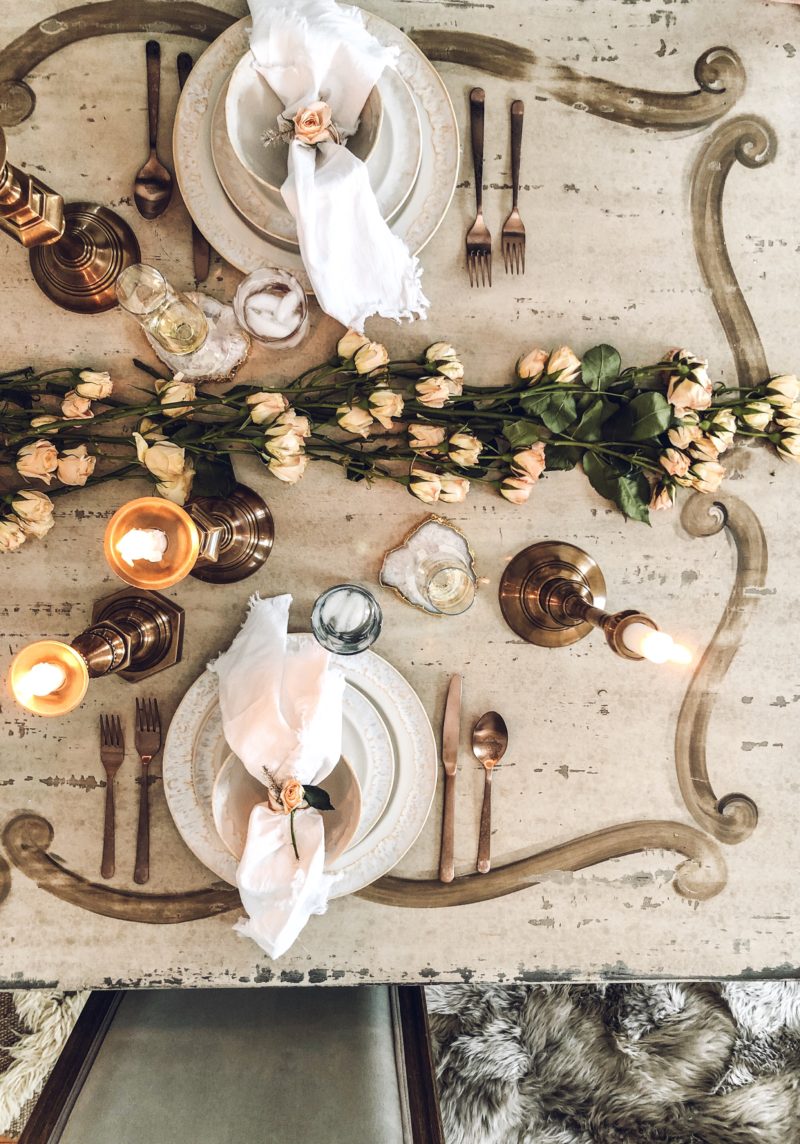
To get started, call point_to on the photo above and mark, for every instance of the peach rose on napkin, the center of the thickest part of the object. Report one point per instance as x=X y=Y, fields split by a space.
x=312 y=124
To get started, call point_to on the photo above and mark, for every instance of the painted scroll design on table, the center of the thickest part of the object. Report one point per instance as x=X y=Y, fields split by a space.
x=718 y=72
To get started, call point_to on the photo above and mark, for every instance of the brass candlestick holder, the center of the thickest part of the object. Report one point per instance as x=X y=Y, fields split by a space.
x=77 y=251
x=133 y=634
x=216 y=539
x=552 y=594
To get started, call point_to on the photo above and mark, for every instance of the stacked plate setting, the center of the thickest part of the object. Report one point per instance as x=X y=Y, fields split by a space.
x=387 y=739
x=412 y=154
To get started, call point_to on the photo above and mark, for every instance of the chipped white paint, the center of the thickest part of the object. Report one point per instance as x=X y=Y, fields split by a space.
x=610 y=258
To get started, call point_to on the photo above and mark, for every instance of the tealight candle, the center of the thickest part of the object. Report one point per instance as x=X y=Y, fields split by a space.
x=49 y=677
x=143 y=544
x=152 y=543
x=657 y=646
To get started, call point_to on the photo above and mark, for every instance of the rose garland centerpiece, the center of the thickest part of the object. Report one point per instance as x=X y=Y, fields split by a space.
x=638 y=433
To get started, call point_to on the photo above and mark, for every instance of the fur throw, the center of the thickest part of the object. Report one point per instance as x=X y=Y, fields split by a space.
x=618 y=1064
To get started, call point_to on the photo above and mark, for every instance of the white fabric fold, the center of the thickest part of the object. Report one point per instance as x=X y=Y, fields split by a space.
x=318 y=49
x=281 y=710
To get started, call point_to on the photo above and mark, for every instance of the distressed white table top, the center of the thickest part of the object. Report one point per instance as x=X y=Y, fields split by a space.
x=610 y=259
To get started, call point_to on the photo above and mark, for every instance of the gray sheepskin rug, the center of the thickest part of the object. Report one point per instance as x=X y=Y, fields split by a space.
x=618 y=1064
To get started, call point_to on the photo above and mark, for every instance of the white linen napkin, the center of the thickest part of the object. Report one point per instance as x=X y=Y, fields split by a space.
x=281 y=709
x=317 y=49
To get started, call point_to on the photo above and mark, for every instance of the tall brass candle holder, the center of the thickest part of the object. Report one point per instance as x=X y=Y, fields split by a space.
x=552 y=594
x=77 y=251
x=132 y=634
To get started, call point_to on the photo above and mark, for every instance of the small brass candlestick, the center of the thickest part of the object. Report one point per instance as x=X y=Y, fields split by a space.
x=552 y=594
x=217 y=539
x=132 y=634
x=77 y=251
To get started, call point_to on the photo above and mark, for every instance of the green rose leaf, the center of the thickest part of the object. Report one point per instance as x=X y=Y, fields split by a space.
x=600 y=367
x=561 y=457
x=559 y=412
x=213 y=478
x=603 y=476
x=633 y=497
x=317 y=798
x=534 y=403
x=590 y=426
x=650 y=414
x=521 y=433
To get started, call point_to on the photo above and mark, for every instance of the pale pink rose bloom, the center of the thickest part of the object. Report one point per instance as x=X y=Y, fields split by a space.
x=38 y=459
x=426 y=487
x=76 y=408
x=291 y=470
x=674 y=462
x=75 y=466
x=312 y=123
x=454 y=489
x=516 y=490
x=529 y=462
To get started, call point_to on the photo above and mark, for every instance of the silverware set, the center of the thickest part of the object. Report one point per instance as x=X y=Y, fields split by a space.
x=479 y=238
x=147 y=740
x=153 y=184
x=489 y=744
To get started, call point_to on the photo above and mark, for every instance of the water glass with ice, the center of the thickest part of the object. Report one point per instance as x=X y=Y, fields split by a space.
x=271 y=305
x=346 y=619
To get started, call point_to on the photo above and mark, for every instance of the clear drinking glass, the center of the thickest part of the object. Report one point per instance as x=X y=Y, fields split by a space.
x=171 y=318
x=346 y=619
x=271 y=305
x=447 y=584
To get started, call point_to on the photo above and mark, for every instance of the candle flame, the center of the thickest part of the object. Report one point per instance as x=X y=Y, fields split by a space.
x=659 y=647
x=142 y=544
x=42 y=679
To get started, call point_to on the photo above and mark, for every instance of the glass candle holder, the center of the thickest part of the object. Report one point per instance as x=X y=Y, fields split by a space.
x=446 y=584
x=272 y=307
x=346 y=619
x=171 y=318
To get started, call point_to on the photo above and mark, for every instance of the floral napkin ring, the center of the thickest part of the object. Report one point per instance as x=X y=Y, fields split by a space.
x=311 y=125
x=290 y=796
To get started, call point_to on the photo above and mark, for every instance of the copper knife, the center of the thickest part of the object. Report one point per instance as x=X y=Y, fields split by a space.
x=201 y=250
x=451 y=732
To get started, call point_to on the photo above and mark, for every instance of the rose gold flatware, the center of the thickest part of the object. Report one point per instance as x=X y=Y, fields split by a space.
x=489 y=742
x=152 y=188
x=513 y=236
x=148 y=744
x=201 y=248
x=112 y=752
x=479 y=241
x=450 y=735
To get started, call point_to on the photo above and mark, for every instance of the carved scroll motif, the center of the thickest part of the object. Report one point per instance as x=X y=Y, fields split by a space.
x=27 y=839
x=733 y=817
x=718 y=72
x=752 y=143
x=159 y=18
x=701 y=876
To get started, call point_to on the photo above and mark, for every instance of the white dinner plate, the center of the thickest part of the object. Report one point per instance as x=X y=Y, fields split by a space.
x=392 y=167
x=195 y=749
x=215 y=215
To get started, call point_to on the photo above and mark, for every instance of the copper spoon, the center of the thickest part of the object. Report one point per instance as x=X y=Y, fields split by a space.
x=489 y=742
x=152 y=187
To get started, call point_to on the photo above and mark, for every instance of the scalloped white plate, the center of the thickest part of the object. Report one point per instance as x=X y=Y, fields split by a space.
x=195 y=749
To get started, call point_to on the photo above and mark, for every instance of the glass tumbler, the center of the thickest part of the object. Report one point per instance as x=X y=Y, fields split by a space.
x=346 y=619
x=446 y=584
x=271 y=305
x=171 y=318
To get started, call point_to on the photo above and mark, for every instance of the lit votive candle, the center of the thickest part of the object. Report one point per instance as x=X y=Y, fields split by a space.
x=143 y=544
x=49 y=677
x=656 y=646
x=151 y=543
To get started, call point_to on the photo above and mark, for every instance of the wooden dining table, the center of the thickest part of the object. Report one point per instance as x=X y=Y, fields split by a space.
x=658 y=193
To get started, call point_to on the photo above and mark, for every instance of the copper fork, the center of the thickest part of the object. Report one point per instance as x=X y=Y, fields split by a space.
x=112 y=752
x=479 y=241
x=148 y=744
x=513 y=236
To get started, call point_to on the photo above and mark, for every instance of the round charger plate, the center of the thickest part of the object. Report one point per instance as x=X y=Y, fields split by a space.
x=195 y=749
x=216 y=216
x=392 y=167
